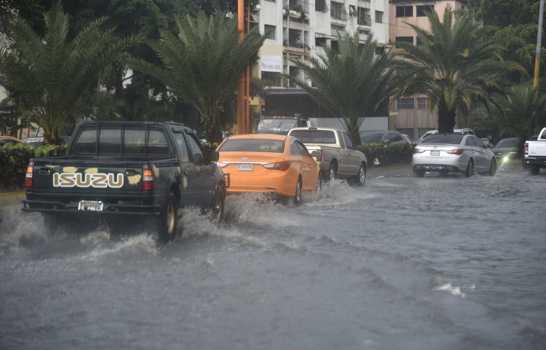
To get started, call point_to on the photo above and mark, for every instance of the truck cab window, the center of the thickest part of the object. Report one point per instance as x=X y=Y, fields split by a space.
x=110 y=142
x=181 y=147
x=135 y=141
x=86 y=143
x=197 y=154
x=157 y=144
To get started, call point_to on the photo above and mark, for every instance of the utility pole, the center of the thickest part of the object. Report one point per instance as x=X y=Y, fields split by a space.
x=243 y=91
x=539 y=45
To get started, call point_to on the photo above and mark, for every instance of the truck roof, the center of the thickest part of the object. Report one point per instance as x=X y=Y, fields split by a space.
x=312 y=128
x=119 y=123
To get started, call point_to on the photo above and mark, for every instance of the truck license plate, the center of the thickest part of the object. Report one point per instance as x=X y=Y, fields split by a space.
x=90 y=206
x=246 y=167
x=435 y=153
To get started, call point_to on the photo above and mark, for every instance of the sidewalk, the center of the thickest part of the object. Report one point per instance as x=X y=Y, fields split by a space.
x=11 y=198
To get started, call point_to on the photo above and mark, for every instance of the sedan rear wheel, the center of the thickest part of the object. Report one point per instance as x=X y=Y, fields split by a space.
x=493 y=167
x=361 y=176
x=297 y=199
x=470 y=168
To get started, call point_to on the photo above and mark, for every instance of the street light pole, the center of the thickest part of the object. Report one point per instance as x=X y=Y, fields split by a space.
x=539 y=45
x=243 y=92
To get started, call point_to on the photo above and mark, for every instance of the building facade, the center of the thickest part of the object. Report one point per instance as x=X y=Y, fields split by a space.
x=298 y=29
x=413 y=115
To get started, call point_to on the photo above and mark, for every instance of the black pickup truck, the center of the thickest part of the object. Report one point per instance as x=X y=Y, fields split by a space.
x=126 y=168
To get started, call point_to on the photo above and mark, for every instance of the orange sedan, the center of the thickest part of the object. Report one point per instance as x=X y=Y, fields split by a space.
x=268 y=163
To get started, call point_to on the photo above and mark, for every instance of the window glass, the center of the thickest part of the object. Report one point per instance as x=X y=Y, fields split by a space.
x=193 y=146
x=86 y=142
x=371 y=137
x=403 y=40
x=253 y=145
x=378 y=16
x=181 y=146
x=135 y=141
x=453 y=139
x=511 y=142
x=315 y=136
x=422 y=10
x=404 y=11
x=348 y=141
x=157 y=144
x=406 y=103
x=270 y=31
x=110 y=141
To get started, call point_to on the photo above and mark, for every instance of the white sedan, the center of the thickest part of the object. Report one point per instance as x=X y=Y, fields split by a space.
x=446 y=153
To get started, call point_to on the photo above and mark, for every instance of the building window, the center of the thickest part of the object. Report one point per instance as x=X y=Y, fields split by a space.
x=270 y=32
x=406 y=103
x=404 y=11
x=422 y=10
x=422 y=102
x=320 y=5
x=294 y=73
x=378 y=16
x=321 y=41
x=403 y=40
x=272 y=79
x=334 y=45
x=295 y=38
x=364 y=18
x=337 y=11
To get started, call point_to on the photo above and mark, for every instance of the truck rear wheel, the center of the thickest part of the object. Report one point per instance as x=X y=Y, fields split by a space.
x=167 y=221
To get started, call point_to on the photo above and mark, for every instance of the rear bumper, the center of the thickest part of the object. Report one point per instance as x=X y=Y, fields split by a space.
x=436 y=167
x=278 y=182
x=539 y=161
x=112 y=205
x=440 y=163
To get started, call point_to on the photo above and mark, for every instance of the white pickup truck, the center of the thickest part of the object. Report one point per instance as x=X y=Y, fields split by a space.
x=334 y=152
x=535 y=153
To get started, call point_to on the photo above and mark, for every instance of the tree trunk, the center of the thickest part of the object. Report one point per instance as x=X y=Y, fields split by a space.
x=446 y=118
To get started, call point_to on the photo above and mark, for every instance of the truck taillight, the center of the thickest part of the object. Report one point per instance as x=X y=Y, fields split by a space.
x=526 y=148
x=147 y=179
x=28 y=175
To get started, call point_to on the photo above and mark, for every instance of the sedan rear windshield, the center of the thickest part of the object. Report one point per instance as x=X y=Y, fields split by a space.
x=315 y=136
x=371 y=137
x=511 y=142
x=453 y=139
x=252 y=145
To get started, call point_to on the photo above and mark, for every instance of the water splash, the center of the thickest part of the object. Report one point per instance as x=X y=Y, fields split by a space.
x=453 y=290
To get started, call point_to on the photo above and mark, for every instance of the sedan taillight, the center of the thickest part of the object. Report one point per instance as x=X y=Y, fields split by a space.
x=278 y=166
x=457 y=151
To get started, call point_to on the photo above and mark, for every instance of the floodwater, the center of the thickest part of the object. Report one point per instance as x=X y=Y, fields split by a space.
x=403 y=263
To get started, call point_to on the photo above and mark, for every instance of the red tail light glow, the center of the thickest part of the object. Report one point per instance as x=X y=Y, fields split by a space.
x=278 y=166
x=457 y=151
x=28 y=175
x=147 y=179
x=526 y=148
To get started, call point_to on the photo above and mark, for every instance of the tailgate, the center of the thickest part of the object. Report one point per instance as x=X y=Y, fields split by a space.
x=68 y=175
x=537 y=148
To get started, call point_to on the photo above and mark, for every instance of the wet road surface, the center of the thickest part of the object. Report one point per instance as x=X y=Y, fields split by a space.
x=404 y=263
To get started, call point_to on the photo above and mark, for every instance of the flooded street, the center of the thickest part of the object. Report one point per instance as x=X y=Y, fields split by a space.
x=403 y=263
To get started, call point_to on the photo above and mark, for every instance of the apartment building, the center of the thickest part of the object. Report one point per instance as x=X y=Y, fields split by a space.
x=298 y=29
x=413 y=114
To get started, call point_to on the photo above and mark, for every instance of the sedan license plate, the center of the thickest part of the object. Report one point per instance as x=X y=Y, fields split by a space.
x=435 y=153
x=246 y=167
x=90 y=206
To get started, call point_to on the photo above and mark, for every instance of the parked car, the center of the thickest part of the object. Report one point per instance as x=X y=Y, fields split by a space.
x=506 y=149
x=268 y=163
x=8 y=140
x=333 y=151
x=453 y=153
x=535 y=153
x=126 y=169
x=465 y=131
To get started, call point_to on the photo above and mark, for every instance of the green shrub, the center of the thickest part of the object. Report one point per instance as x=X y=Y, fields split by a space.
x=14 y=159
x=387 y=154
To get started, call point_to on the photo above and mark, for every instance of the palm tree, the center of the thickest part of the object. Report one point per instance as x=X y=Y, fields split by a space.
x=202 y=63
x=453 y=64
x=352 y=81
x=521 y=112
x=47 y=76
